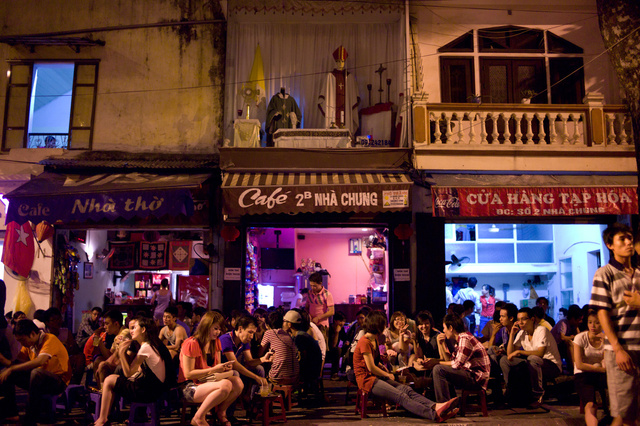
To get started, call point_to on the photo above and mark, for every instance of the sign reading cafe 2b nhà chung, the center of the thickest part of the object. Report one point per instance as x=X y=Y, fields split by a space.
x=524 y=201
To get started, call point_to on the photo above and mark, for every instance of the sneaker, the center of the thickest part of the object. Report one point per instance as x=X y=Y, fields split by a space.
x=538 y=403
x=335 y=377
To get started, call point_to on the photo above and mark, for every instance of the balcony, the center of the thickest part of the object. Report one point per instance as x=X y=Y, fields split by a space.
x=48 y=140
x=522 y=137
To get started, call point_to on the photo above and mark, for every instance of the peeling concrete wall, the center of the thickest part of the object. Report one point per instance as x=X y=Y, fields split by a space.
x=160 y=89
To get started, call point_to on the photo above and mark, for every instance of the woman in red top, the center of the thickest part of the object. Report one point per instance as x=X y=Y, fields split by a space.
x=374 y=378
x=488 y=301
x=199 y=358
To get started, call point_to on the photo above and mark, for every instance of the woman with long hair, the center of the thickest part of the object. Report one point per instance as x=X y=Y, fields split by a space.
x=163 y=298
x=149 y=374
x=399 y=341
x=199 y=360
x=374 y=378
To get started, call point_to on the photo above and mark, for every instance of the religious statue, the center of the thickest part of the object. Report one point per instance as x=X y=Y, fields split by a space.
x=339 y=100
x=282 y=113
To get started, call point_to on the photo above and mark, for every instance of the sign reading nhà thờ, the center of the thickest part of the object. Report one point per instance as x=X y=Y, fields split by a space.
x=524 y=201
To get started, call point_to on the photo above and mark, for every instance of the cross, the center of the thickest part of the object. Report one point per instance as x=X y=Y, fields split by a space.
x=341 y=86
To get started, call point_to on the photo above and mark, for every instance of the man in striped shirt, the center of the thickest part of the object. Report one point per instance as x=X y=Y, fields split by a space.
x=469 y=365
x=612 y=295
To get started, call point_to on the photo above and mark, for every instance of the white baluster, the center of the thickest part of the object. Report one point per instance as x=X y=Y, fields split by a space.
x=507 y=132
x=483 y=128
x=472 y=134
x=623 y=131
x=564 y=137
x=611 y=132
x=541 y=133
x=528 y=120
x=460 y=134
x=518 y=118
x=495 y=134
x=436 y=134
x=552 y=129
x=576 y=129
x=448 y=133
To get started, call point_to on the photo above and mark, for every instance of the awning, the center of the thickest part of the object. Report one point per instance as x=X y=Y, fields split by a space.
x=69 y=198
x=533 y=195
x=291 y=193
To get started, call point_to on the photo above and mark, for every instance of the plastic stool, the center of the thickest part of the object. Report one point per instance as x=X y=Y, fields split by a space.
x=286 y=390
x=480 y=406
x=183 y=411
x=150 y=408
x=267 y=406
x=378 y=405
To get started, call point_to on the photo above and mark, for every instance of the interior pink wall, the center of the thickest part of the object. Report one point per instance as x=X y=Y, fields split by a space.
x=349 y=274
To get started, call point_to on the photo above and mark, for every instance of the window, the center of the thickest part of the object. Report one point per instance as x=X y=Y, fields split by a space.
x=504 y=77
x=50 y=105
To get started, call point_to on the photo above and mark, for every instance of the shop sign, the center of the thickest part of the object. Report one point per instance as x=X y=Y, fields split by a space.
x=528 y=201
x=232 y=274
x=401 y=274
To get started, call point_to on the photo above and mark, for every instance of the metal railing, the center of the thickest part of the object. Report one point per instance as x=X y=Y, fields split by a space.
x=48 y=140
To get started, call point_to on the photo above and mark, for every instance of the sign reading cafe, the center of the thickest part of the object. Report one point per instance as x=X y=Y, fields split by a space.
x=525 y=201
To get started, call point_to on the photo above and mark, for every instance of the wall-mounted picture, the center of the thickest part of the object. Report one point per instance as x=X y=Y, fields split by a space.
x=355 y=246
x=88 y=270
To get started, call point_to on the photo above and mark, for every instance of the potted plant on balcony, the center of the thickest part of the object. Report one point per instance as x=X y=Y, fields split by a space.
x=476 y=99
x=527 y=95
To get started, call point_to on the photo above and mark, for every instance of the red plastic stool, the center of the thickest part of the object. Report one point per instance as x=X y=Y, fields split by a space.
x=480 y=406
x=378 y=405
x=267 y=406
x=286 y=390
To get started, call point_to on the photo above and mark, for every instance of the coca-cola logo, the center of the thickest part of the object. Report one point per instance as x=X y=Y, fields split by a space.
x=448 y=202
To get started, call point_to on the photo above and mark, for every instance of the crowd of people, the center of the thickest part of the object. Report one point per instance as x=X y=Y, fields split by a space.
x=412 y=361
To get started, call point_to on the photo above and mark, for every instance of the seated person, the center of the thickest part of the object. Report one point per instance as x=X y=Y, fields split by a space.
x=98 y=347
x=468 y=308
x=423 y=359
x=285 y=366
x=183 y=317
x=543 y=303
x=111 y=364
x=485 y=333
x=9 y=346
x=39 y=318
x=236 y=346
x=146 y=378
x=172 y=334
x=42 y=369
x=539 y=315
x=198 y=313
x=373 y=377
x=308 y=348
x=337 y=338
x=466 y=368
x=565 y=331
x=353 y=335
x=589 y=370
x=89 y=324
x=532 y=346
x=200 y=358
x=398 y=340
x=497 y=344
x=53 y=323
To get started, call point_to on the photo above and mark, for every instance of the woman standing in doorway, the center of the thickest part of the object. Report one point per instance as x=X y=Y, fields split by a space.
x=163 y=297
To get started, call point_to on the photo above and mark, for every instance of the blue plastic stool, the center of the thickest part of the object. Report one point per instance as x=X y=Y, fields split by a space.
x=151 y=409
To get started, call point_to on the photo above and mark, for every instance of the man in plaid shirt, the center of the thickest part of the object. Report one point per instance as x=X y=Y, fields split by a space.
x=469 y=365
x=320 y=304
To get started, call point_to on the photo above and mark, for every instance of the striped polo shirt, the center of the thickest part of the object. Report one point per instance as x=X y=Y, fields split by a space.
x=609 y=283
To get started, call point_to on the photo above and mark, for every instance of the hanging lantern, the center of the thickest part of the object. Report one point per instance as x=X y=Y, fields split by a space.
x=44 y=231
x=229 y=233
x=403 y=231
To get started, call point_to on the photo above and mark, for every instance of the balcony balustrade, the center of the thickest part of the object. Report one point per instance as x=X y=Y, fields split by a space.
x=48 y=140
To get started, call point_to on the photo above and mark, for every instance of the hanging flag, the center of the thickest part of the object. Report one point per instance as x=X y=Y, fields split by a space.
x=254 y=89
x=18 y=248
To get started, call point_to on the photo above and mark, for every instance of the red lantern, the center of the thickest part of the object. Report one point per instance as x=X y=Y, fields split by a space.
x=44 y=231
x=229 y=233
x=403 y=231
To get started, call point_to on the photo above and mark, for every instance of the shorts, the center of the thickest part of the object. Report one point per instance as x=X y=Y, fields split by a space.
x=587 y=383
x=189 y=390
x=624 y=389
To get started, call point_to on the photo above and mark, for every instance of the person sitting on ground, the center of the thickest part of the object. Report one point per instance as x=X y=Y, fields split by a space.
x=398 y=340
x=337 y=338
x=487 y=330
x=42 y=369
x=53 y=322
x=200 y=361
x=172 y=334
x=236 y=346
x=589 y=370
x=183 y=318
x=198 y=313
x=145 y=379
x=538 y=314
x=374 y=378
x=543 y=302
x=467 y=368
x=565 y=331
x=308 y=348
x=539 y=354
x=98 y=347
x=285 y=367
x=89 y=324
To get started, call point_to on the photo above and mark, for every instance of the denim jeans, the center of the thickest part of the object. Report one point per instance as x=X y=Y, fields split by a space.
x=445 y=376
x=38 y=382
x=540 y=369
x=401 y=394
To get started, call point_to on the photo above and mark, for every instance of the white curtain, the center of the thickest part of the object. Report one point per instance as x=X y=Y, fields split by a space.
x=297 y=56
